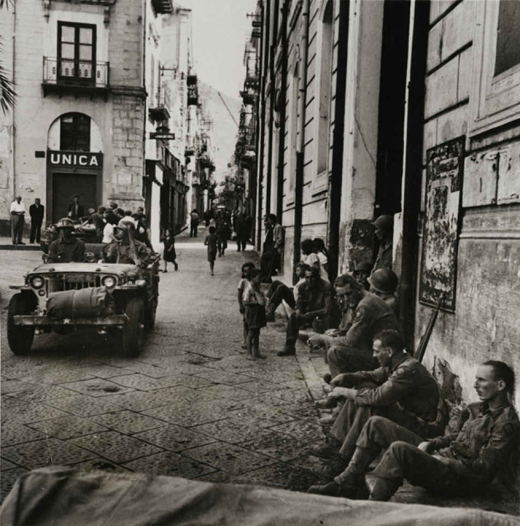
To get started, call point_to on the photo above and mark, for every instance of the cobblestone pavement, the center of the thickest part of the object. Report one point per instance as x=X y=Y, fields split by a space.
x=190 y=405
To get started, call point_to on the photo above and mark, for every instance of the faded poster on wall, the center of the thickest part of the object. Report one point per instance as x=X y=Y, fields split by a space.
x=444 y=175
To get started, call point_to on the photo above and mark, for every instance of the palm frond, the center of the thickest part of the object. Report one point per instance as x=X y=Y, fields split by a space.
x=7 y=93
x=6 y=3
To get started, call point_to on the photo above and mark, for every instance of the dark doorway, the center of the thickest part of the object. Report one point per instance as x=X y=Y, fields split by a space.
x=394 y=61
x=65 y=186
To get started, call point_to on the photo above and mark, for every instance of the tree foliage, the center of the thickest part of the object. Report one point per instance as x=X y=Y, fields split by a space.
x=7 y=93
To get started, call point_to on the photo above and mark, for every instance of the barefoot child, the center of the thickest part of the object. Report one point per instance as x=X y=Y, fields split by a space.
x=169 y=251
x=246 y=267
x=211 y=242
x=254 y=303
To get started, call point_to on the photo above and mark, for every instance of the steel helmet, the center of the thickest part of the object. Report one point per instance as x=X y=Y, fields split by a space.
x=363 y=266
x=383 y=280
x=384 y=223
x=65 y=222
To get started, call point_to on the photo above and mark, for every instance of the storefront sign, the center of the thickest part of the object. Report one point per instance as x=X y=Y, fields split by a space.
x=76 y=159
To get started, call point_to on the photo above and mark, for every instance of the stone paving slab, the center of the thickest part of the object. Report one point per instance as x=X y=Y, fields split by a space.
x=14 y=386
x=226 y=391
x=232 y=430
x=97 y=388
x=115 y=447
x=188 y=417
x=128 y=422
x=25 y=413
x=174 y=438
x=13 y=433
x=306 y=431
x=229 y=458
x=220 y=377
x=50 y=451
x=145 y=383
x=280 y=475
x=83 y=406
x=144 y=401
x=279 y=446
x=142 y=368
x=170 y=464
x=59 y=376
x=39 y=393
x=67 y=427
x=5 y=465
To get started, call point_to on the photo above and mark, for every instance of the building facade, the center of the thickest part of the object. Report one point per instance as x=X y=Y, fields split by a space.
x=101 y=109
x=409 y=109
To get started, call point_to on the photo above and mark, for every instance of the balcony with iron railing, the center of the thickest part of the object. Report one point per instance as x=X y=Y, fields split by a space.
x=75 y=75
x=160 y=105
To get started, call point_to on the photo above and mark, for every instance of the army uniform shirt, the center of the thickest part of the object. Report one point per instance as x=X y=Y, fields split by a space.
x=65 y=251
x=371 y=316
x=487 y=439
x=310 y=300
x=406 y=384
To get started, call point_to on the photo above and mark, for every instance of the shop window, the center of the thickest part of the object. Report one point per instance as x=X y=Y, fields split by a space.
x=75 y=132
x=76 y=52
x=508 y=41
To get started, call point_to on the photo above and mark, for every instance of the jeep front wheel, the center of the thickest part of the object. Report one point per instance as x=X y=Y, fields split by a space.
x=20 y=337
x=133 y=331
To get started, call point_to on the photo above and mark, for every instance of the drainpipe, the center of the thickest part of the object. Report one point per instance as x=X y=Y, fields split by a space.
x=298 y=190
x=411 y=194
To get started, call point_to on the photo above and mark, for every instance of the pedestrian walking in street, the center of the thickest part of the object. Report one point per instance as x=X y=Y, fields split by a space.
x=17 y=221
x=223 y=233
x=169 y=253
x=246 y=267
x=254 y=303
x=211 y=243
x=194 y=223
x=36 y=211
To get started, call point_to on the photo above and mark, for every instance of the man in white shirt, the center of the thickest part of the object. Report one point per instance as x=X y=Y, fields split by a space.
x=17 y=220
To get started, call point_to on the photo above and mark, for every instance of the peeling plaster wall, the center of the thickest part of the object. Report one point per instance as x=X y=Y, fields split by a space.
x=485 y=324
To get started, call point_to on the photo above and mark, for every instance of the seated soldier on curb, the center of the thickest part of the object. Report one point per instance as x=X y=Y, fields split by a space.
x=278 y=291
x=313 y=307
x=331 y=336
x=66 y=248
x=462 y=464
x=401 y=389
x=370 y=315
x=383 y=283
x=125 y=249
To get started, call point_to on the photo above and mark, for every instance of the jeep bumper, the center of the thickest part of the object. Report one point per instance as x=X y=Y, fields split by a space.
x=115 y=320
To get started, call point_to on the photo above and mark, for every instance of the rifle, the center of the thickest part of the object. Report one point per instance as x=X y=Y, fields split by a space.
x=419 y=353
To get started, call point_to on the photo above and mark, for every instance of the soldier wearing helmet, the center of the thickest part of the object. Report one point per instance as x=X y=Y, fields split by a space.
x=125 y=249
x=361 y=273
x=383 y=283
x=66 y=248
x=384 y=230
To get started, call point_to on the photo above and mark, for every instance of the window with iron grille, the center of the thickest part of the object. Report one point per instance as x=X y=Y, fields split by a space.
x=76 y=52
x=75 y=132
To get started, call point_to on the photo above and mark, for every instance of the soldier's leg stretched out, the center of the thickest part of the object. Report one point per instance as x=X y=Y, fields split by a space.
x=343 y=359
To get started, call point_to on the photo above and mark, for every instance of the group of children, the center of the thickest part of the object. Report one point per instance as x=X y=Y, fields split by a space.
x=251 y=302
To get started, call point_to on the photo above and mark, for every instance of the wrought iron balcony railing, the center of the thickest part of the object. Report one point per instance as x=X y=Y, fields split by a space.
x=75 y=73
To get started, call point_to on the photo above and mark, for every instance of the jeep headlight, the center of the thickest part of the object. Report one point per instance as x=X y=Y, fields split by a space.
x=109 y=282
x=37 y=282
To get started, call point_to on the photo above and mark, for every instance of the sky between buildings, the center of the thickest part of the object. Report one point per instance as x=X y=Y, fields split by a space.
x=220 y=31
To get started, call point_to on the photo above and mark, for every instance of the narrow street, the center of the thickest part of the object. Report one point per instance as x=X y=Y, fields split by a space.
x=191 y=405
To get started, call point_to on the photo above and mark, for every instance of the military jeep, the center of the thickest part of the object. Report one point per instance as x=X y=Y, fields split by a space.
x=113 y=298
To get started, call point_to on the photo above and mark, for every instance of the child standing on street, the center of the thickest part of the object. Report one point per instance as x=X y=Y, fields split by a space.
x=169 y=251
x=246 y=267
x=211 y=242
x=254 y=303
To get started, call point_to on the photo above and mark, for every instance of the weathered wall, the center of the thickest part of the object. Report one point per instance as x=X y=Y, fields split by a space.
x=485 y=323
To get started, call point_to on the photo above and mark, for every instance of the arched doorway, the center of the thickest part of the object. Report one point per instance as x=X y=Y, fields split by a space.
x=74 y=164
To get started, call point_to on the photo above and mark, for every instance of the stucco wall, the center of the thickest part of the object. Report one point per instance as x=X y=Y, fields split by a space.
x=485 y=323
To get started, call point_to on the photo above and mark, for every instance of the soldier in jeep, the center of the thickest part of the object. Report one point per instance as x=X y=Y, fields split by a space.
x=66 y=248
x=126 y=249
